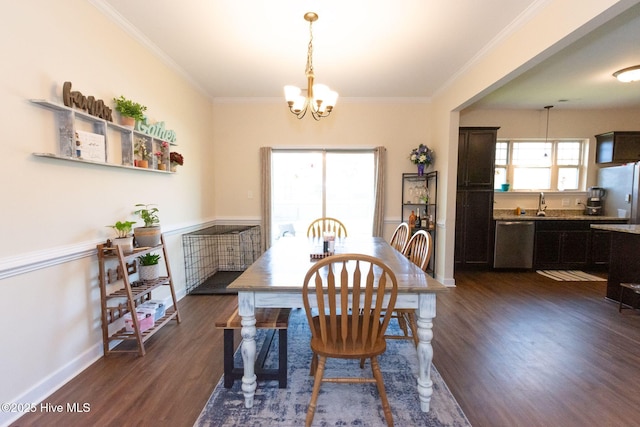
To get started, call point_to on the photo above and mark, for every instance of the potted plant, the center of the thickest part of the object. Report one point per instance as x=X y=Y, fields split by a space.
x=124 y=239
x=149 y=267
x=141 y=151
x=176 y=160
x=163 y=155
x=130 y=111
x=149 y=234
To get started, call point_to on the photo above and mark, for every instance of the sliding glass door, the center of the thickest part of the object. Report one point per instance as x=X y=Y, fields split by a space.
x=309 y=184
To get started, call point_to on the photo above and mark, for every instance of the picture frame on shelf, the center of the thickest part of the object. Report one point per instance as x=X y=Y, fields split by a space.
x=90 y=146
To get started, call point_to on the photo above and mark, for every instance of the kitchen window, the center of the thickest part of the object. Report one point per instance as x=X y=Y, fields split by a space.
x=539 y=164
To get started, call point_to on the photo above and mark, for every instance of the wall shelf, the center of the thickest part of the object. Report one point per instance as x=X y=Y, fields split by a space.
x=111 y=165
x=70 y=122
x=414 y=188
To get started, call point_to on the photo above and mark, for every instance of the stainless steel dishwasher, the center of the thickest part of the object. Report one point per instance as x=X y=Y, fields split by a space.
x=514 y=244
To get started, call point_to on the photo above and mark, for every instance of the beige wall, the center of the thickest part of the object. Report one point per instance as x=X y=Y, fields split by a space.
x=239 y=129
x=54 y=212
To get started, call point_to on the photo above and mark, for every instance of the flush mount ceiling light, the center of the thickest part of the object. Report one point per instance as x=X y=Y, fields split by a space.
x=320 y=99
x=630 y=74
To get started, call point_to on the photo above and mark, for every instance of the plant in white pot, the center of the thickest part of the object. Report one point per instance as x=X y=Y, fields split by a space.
x=149 y=267
x=124 y=239
x=149 y=235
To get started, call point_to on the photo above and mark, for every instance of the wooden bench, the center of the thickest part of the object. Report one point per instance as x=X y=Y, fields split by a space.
x=266 y=318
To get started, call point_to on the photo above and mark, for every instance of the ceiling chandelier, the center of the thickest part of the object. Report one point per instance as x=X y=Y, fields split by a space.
x=630 y=74
x=319 y=99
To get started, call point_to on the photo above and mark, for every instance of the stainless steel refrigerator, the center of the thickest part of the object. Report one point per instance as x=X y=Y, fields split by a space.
x=621 y=184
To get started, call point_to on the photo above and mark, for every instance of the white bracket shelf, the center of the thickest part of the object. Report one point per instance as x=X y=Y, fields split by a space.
x=66 y=122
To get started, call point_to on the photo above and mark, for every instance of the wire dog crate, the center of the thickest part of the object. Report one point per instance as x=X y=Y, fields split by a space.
x=219 y=248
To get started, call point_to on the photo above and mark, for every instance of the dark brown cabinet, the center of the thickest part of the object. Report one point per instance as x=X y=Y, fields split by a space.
x=562 y=245
x=476 y=157
x=618 y=147
x=600 y=249
x=474 y=229
x=571 y=245
x=474 y=199
x=624 y=266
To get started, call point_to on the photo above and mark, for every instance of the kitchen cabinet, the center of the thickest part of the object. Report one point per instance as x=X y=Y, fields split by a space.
x=474 y=229
x=562 y=245
x=600 y=249
x=618 y=147
x=624 y=266
x=476 y=157
x=474 y=198
x=571 y=245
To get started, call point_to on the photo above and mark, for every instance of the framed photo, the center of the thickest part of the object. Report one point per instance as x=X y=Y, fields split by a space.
x=90 y=146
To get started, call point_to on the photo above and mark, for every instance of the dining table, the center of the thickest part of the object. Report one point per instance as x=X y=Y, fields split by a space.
x=276 y=278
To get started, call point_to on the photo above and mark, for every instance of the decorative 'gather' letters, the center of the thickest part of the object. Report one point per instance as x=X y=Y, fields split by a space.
x=95 y=107
x=155 y=130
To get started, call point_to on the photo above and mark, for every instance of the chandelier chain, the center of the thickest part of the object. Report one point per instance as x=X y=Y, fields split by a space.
x=310 y=51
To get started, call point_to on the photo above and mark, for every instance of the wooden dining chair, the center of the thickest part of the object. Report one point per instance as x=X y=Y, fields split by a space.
x=400 y=237
x=350 y=292
x=418 y=250
x=326 y=224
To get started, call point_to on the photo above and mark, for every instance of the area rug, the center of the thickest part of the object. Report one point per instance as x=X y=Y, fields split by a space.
x=570 y=276
x=338 y=404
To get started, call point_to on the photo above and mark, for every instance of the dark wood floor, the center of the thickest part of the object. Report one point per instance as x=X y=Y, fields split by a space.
x=515 y=350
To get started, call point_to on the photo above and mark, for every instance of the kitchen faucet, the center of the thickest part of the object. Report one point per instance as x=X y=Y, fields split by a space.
x=541 y=208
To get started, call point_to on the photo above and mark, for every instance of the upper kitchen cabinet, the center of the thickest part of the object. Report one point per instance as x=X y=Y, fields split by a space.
x=476 y=157
x=618 y=147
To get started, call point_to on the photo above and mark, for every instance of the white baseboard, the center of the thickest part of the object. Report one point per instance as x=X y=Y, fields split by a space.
x=49 y=385
x=52 y=382
x=448 y=282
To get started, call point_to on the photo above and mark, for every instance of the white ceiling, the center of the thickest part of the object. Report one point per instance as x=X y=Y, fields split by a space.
x=374 y=48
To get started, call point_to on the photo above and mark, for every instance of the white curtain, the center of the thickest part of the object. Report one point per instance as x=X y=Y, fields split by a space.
x=265 y=209
x=378 y=211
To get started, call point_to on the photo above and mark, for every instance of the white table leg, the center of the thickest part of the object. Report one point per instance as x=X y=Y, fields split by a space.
x=246 y=309
x=425 y=314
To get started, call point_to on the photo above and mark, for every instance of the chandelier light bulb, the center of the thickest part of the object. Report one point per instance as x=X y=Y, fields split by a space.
x=320 y=91
x=331 y=99
x=291 y=93
x=298 y=104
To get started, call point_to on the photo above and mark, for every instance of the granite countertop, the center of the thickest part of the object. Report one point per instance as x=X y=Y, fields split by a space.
x=622 y=228
x=551 y=215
